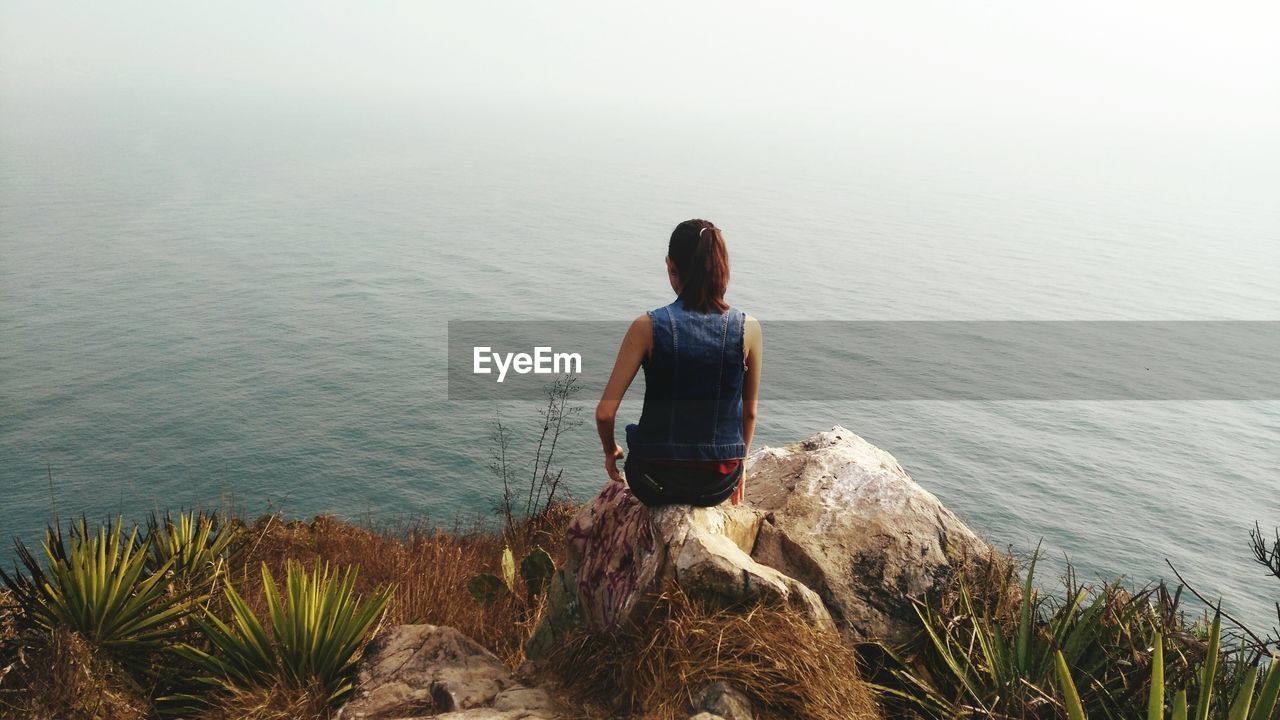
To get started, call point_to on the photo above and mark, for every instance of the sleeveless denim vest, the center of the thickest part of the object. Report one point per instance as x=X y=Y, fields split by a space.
x=692 y=387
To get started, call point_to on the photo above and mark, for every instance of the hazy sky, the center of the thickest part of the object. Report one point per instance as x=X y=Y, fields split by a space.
x=1153 y=63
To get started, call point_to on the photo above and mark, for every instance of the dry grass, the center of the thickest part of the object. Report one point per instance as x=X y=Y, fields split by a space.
x=429 y=569
x=994 y=587
x=785 y=665
x=7 y=614
x=58 y=676
x=276 y=703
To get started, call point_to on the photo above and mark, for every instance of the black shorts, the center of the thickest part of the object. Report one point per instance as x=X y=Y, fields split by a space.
x=656 y=485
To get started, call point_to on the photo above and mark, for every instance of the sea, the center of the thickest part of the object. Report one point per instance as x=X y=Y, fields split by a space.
x=243 y=305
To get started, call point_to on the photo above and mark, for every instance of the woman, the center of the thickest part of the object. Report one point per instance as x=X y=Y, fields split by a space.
x=701 y=361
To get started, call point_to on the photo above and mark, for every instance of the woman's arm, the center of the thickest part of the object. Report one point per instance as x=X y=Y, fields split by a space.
x=753 y=339
x=635 y=347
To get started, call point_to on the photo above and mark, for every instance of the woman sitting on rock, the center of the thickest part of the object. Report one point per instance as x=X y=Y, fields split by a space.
x=701 y=361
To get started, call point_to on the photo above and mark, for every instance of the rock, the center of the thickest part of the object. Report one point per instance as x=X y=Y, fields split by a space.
x=621 y=553
x=844 y=518
x=420 y=671
x=703 y=559
x=832 y=526
x=721 y=700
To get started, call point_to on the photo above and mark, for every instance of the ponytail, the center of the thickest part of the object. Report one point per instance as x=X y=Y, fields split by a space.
x=702 y=261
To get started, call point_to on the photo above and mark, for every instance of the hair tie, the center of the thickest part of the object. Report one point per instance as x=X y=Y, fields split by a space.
x=704 y=229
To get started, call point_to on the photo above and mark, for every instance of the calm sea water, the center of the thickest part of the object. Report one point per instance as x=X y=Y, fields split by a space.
x=246 y=305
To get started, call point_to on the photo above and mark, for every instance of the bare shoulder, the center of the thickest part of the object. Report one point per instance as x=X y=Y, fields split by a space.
x=752 y=340
x=641 y=327
x=640 y=334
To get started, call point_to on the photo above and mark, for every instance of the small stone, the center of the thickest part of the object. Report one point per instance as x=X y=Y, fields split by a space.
x=720 y=699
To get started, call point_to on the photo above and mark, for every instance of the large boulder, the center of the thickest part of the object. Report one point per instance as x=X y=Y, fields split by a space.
x=844 y=518
x=621 y=555
x=431 y=671
x=831 y=526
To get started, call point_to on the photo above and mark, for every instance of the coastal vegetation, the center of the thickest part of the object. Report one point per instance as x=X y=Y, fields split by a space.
x=186 y=618
x=998 y=648
x=94 y=627
x=210 y=616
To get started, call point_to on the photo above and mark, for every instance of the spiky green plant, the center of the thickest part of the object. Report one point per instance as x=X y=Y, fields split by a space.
x=1243 y=707
x=98 y=585
x=313 y=633
x=980 y=661
x=194 y=545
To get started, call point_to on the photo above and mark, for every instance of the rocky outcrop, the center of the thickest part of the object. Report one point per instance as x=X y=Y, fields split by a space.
x=429 y=671
x=621 y=554
x=832 y=526
x=844 y=518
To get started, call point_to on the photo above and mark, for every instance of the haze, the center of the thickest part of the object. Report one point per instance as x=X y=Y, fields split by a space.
x=1199 y=67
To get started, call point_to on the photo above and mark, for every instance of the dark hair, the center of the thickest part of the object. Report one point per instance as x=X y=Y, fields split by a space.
x=702 y=261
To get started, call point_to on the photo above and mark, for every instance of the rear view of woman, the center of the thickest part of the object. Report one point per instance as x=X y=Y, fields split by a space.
x=701 y=360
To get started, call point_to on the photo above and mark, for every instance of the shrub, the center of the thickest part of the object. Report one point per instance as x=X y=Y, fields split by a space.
x=195 y=546
x=536 y=569
x=99 y=586
x=994 y=655
x=314 y=632
x=430 y=568
x=1250 y=702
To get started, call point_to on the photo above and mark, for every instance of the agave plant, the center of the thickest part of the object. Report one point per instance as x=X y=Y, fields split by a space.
x=98 y=585
x=194 y=546
x=1244 y=706
x=312 y=635
x=977 y=662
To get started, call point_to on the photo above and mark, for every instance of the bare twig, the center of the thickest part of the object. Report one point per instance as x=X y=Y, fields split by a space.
x=559 y=415
x=502 y=469
x=537 y=457
x=1266 y=554
x=558 y=412
x=1259 y=643
x=554 y=485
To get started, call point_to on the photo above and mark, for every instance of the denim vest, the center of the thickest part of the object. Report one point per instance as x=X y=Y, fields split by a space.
x=692 y=387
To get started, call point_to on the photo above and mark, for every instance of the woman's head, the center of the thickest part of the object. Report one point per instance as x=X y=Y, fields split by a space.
x=698 y=265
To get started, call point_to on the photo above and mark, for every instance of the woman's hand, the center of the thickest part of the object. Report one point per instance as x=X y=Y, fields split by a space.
x=739 y=492
x=611 y=458
x=635 y=345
